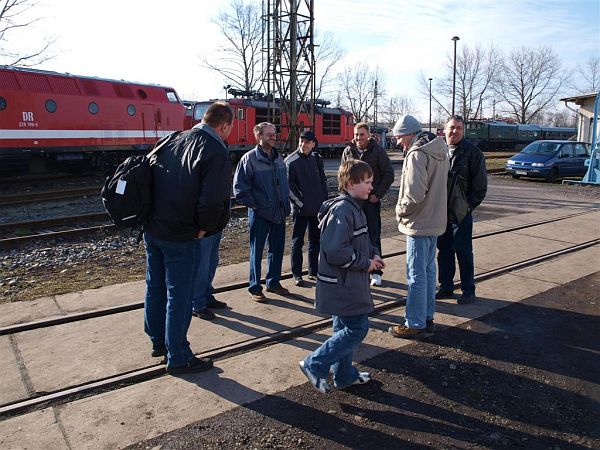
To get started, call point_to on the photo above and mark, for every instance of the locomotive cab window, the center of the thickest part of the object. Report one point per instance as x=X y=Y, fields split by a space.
x=93 y=108
x=199 y=111
x=50 y=106
x=131 y=110
x=172 y=96
x=2 y=103
x=240 y=114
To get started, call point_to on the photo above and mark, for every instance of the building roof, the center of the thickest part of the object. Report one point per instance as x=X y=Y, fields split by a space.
x=579 y=99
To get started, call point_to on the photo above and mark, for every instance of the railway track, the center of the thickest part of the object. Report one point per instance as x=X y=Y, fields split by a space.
x=44 y=196
x=29 y=226
x=91 y=387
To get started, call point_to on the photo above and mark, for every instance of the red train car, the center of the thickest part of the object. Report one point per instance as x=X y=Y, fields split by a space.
x=51 y=120
x=48 y=118
x=334 y=127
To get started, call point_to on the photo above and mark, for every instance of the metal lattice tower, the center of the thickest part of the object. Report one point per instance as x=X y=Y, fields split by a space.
x=288 y=32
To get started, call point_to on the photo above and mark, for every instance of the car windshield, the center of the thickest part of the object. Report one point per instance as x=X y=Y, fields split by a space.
x=542 y=148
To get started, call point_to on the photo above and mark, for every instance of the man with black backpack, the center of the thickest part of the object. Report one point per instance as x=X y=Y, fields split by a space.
x=190 y=200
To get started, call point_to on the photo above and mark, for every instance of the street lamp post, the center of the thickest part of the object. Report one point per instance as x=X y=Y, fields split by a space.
x=226 y=89
x=430 y=104
x=455 y=38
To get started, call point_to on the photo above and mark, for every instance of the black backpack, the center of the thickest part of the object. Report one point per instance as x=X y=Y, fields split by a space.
x=127 y=194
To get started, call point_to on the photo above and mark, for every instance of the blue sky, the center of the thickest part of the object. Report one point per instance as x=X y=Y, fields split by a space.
x=161 y=42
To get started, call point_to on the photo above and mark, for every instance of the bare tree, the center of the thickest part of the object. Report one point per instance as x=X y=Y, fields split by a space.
x=397 y=106
x=530 y=79
x=240 y=58
x=241 y=62
x=357 y=84
x=11 y=13
x=476 y=69
x=562 y=118
x=589 y=73
x=328 y=54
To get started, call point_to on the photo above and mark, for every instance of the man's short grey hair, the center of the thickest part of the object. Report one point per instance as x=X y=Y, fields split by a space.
x=259 y=127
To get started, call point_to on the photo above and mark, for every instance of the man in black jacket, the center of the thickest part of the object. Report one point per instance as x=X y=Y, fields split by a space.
x=365 y=148
x=308 y=191
x=190 y=200
x=467 y=186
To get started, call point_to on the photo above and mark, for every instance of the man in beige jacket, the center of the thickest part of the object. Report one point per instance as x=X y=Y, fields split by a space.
x=421 y=214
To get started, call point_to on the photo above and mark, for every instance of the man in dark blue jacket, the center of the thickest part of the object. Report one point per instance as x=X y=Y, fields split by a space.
x=190 y=200
x=308 y=191
x=261 y=184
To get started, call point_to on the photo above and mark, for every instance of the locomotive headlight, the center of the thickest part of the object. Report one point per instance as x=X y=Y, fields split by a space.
x=537 y=164
x=510 y=161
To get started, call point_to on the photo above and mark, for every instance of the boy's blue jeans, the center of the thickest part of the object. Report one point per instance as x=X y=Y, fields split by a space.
x=336 y=352
x=420 y=277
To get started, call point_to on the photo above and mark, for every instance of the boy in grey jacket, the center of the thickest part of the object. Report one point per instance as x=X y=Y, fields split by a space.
x=346 y=258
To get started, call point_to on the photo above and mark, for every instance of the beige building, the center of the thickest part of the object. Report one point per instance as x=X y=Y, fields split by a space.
x=585 y=114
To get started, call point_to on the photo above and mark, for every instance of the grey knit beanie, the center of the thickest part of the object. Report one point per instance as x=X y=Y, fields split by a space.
x=406 y=125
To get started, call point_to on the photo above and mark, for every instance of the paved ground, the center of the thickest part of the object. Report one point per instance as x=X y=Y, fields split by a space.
x=426 y=397
x=525 y=376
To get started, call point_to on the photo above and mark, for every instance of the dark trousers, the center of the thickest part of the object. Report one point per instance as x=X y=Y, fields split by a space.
x=298 y=231
x=457 y=240
x=373 y=213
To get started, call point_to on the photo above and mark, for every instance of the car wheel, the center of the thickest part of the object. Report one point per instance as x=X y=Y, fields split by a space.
x=516 y=177
x=552 y=176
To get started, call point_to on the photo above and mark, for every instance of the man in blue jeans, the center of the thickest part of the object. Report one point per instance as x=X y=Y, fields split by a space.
x=204 y=300
x=467 y=187
x=191 y=188
x=421 y=215
x=260 y=183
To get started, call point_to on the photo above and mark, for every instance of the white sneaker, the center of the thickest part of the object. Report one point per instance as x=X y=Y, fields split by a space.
x=363 y=378
x=319 y=383
x=375 y=279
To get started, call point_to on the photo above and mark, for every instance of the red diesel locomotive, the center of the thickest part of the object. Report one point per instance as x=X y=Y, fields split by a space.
x=49 y=119
x=54 y=121
x=333 y=127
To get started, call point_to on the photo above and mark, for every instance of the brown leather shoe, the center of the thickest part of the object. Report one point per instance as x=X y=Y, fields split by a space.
x=258 y=296
x=401 y=331
x=278 y=289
